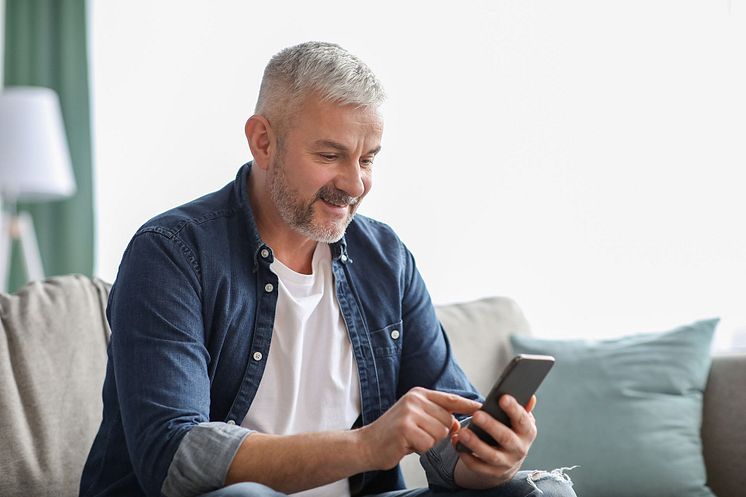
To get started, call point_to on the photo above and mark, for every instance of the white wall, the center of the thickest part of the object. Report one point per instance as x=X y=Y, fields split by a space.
x=586 y=158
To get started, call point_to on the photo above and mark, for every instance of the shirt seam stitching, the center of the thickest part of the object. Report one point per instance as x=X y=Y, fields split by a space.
x=186 y=251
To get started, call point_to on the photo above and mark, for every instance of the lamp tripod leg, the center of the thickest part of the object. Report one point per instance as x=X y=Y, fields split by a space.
x=30 y=247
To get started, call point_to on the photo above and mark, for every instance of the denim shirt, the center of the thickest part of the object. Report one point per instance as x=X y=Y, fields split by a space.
x=191 y=314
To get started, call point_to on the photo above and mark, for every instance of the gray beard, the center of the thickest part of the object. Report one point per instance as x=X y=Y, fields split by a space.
x=298 y=215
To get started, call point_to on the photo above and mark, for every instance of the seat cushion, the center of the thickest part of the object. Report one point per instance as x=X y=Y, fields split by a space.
x=52 y=364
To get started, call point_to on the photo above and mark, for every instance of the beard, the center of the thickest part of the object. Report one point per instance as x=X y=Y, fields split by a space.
x=299 y=214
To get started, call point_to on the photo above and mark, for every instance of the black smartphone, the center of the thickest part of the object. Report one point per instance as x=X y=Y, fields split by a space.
x=520 y=379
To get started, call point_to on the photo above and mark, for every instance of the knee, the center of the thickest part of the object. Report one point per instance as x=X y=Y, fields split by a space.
x=249 y=489
x=555 y=483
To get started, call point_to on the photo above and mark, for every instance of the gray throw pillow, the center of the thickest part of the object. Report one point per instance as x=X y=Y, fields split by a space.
x=628 y=411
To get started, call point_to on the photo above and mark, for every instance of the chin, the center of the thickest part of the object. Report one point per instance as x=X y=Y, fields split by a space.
x=319 y=233
x=330 y=234
x=330 y=231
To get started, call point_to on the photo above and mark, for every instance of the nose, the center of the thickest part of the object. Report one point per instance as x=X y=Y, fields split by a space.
x=350 y=179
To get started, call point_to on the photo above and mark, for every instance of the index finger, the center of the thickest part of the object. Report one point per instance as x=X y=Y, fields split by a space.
x=531 y=404
x=453 y=403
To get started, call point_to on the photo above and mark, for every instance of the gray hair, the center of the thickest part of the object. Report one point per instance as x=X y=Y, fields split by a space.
x=326 y=69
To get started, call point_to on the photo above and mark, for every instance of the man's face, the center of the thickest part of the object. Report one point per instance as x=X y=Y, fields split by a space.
x=323 y=167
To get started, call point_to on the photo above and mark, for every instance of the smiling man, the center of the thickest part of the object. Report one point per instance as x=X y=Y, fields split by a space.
x=266 y=340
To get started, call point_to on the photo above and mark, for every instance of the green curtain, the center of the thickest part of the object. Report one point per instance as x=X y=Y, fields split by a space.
x=46 y=45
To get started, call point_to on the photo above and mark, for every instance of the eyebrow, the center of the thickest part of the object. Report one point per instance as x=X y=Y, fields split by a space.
x=341 y=148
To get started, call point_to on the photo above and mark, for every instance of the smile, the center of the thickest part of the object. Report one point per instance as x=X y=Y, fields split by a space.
x=341 y=206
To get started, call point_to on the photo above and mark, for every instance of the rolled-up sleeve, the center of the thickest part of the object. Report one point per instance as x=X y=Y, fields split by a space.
x=439 y=463
x=203 y=458
x=161 y=367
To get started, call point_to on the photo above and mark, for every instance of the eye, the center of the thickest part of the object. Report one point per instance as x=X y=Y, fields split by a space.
x=329 y=157
x=366 y=163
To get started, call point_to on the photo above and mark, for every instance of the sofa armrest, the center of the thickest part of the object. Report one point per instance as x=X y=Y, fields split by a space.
x=724 y=425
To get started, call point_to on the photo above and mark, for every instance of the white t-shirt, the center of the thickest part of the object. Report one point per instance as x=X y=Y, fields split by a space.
x=310 y=381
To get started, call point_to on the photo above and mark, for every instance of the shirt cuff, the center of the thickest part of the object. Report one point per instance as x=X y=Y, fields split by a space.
x=439 y=463
x=203 y=458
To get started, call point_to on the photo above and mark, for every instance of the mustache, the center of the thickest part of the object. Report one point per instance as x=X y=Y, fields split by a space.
x=335 y=196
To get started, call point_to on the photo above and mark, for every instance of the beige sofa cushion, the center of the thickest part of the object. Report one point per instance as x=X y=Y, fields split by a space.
x=52 y=363
x=479 y=333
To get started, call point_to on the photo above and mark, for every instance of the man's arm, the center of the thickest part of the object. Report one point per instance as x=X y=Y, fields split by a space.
x=294 y=463
x=158 y=352
x=415 y=423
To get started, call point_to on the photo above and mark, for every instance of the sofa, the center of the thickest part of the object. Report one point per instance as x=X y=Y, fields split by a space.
x=53 y=359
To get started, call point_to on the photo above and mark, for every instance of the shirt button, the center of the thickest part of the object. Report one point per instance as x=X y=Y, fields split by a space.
x=395 y=334
x=269 y=287
x=344 y=258
x=258 y=356
x=265 y=253
x=231 y=422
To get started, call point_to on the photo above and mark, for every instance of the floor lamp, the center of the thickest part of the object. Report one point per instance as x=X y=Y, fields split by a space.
x=34 y=167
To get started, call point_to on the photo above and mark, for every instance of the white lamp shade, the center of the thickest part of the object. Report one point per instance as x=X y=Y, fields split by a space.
x=34 y=157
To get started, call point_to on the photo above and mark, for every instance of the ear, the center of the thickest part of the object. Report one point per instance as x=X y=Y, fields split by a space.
x=262 y=140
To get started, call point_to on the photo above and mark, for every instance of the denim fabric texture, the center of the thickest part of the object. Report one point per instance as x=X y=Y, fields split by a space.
x=192 y=312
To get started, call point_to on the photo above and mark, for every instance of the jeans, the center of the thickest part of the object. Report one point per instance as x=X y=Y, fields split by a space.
x=524 y=484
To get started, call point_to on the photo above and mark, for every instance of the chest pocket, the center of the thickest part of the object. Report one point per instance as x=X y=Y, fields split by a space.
x=386 y=342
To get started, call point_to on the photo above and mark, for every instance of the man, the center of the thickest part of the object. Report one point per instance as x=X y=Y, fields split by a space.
x=265 y=334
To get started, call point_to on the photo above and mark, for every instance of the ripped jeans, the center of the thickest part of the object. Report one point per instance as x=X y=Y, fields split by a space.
x=524 y=484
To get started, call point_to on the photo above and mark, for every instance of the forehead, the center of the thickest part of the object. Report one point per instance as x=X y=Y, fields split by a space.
x=318 y=119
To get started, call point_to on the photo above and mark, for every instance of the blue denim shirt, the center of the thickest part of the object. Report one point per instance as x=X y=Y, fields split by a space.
x=191 y=314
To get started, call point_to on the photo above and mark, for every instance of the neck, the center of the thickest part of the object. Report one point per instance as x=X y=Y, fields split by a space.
x=292 y=248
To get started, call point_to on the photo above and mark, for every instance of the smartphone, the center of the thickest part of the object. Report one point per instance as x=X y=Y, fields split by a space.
x=520 y=379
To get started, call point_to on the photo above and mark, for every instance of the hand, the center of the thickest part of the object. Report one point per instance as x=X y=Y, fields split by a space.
x=418 y=420
x=487 y=466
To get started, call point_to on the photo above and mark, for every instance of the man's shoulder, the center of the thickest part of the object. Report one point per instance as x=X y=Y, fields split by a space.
x=198 y=212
